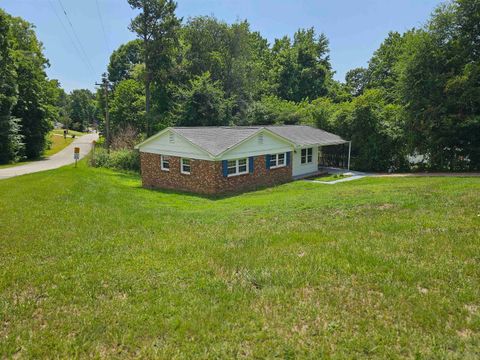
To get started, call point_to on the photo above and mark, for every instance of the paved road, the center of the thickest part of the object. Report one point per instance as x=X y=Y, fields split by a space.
x=57 y=160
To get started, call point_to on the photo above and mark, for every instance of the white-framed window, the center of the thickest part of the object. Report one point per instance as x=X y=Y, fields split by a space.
x=237 y=167
x=306 y=156
x=185 y=167
x=278 y=160
x=165 y=163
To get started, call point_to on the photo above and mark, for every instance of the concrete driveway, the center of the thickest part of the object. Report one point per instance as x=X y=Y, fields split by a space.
x=57 y=160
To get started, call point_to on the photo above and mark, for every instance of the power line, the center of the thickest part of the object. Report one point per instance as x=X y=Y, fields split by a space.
x=103 y=26
x=76 y=36
x=72 y=40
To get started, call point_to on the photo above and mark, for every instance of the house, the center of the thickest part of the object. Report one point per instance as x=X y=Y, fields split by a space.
x=214 y=160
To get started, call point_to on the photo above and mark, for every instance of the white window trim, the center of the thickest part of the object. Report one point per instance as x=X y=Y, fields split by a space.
x=181 y=166
x=276 y=160
x=306 y=156
x=161 y=163
x=237 y=167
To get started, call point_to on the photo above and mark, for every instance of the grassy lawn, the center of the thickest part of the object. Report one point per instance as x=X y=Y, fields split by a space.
x=58 y=144
x=70 y=132
x=330 y=177
x=92 y=265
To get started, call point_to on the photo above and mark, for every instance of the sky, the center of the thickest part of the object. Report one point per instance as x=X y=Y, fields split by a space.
x=78 y=57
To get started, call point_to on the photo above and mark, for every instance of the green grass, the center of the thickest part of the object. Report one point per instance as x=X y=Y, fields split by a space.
x=92 y=265
x=70 y=132
x=330 y=177
x=58 y=144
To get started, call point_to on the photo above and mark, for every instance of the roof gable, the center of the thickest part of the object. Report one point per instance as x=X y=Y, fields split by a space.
x=216 y=140
x=169 y=142
x=262 y=142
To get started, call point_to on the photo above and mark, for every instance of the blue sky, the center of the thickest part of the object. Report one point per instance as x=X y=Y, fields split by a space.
x=355 y=28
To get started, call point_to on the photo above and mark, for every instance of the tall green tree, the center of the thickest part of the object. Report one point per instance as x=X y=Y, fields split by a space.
x=32 y=83
x=375 y=128
x=157 y=27
x=439 y=86
x=356 y=80
x=10 y=139
x=201 y=103
x=81 y=109
x=381 y=72
x=128 y=106
x=235 y=56
x=301 y=68
x=123 y=61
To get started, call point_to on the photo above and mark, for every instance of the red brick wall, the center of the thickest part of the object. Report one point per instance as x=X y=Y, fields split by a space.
x=206 y=177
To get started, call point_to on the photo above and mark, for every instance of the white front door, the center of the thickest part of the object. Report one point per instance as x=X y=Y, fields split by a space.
x=305 y=161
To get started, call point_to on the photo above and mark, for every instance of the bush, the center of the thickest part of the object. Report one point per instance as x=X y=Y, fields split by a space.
x=128 y=160
x=125 y=160
x=100 y=157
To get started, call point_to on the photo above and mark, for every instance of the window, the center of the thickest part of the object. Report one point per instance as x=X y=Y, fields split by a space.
x=277 y=160
x=171 y=138
x=185 y=167
x=307 y=156
x=165 y=163
x=237 y=167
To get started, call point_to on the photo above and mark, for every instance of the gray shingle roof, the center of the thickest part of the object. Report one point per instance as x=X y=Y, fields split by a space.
x=306 y=135
x=216 y=140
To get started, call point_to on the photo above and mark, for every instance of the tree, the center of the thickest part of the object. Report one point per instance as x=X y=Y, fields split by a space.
x=234 y=56
x=123 y=61
x=56 y=106
x=357 y=80
x=127 y=106
x=374 y=127
x=157 y=27
x=301 y=69
x=273 y=110
x=381 y=71
x=10 y=139
x=201 y=103
x=439 y=86
x=81 y=109
x=32 y=83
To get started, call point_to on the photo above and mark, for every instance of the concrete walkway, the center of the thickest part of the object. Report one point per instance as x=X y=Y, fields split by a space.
x=57 y=160
x=352 y=175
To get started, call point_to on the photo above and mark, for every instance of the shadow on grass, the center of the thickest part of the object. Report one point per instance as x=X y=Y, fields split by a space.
x=130 y=176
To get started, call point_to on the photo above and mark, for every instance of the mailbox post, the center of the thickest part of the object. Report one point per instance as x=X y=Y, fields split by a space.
x=76 y=154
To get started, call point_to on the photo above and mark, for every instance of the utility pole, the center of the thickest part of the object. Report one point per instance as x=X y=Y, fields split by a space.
x=106 y=84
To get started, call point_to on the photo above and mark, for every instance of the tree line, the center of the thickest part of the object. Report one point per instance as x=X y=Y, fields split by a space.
x=415 y=106
x=30 y=102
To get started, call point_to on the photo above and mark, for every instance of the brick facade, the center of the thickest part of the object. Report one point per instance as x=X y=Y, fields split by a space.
x=206 y=177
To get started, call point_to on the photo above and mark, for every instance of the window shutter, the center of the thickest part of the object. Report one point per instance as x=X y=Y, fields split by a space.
x=225 y=167
x=250 y=164
x=267 y=161
x=288 y=157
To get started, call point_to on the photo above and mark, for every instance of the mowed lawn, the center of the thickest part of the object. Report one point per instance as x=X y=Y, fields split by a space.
x=58 y=143
x=92 y=265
